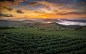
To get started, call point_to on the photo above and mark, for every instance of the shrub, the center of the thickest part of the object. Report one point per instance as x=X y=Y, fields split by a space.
x=5 y=52
x=32 y=50
x=20 y=50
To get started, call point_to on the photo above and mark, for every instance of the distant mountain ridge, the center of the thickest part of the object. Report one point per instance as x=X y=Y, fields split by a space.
x=28 y=21
x=6 y=23
x=45 y=23
x=51 y=20
x=3 y=23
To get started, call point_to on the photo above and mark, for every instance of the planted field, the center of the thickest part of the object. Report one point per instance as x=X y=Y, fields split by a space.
x=28 y=41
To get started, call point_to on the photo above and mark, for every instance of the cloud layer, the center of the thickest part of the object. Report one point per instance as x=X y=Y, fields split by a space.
x=44 y=8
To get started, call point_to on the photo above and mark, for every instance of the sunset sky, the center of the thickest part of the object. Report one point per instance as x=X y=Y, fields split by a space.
x=13 y=9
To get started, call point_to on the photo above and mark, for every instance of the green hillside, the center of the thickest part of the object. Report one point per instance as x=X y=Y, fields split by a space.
x=51 y=26
x=41 y=26
x=84 y=28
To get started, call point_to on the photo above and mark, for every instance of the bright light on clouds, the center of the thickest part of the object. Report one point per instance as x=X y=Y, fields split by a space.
x=42 y=9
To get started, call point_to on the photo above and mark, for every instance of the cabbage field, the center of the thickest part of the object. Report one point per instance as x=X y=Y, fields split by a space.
x=30 y=41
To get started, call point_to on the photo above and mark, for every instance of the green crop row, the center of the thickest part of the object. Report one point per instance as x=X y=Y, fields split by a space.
x=22 y=41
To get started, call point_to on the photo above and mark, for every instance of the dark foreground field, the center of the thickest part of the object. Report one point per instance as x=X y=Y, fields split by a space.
x=30 y=41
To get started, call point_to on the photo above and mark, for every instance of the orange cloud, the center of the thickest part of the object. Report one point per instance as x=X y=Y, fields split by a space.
x=8 y=8
x=31 y=4
x=6 y=15
x=18 y=0
x=50 y=10
x=24 y=6
x=5 y=9
x=14 y=5
x=46 y=10
x=72 y=13
x=13 y=2
x=48 y=5
x=5 y=3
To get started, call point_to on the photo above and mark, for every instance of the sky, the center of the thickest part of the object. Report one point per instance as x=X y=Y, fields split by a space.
x=63 y=9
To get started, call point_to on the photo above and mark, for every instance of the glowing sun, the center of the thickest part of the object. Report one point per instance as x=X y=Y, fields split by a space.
x=44 y=17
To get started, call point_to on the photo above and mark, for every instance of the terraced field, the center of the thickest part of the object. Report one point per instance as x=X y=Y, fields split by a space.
x=28 y=41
